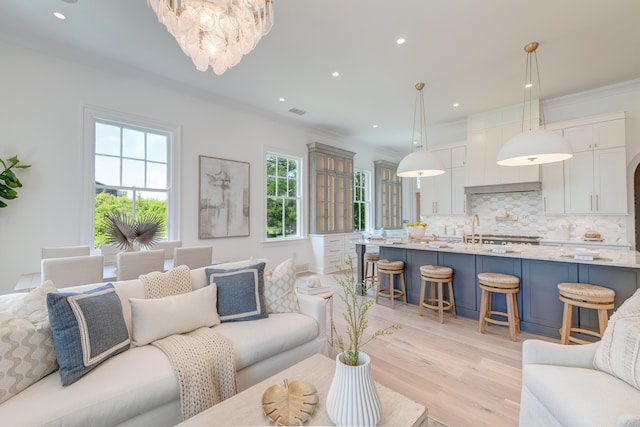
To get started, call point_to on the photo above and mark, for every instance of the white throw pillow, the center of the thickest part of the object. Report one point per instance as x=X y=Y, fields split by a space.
x=619 y=350
x=153 y=319
x=175 y=281
x=26 y=342
x=27 y=354
x=280 y=289
x=31 y=306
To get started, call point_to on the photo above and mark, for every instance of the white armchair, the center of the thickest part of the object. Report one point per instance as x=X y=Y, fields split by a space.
x=561 y=387
x=73 y=271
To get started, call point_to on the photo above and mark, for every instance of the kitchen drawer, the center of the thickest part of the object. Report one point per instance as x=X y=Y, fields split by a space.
x=330 y=251
x=337 y=240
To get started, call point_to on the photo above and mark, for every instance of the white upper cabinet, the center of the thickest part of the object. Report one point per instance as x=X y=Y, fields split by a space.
x=444 y=194
x=595 y=177
x=486 y=133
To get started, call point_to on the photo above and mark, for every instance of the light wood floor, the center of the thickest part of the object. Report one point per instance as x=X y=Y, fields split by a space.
x=463 y=377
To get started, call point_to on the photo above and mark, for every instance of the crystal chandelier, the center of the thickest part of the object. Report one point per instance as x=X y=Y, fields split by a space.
x=215 y=33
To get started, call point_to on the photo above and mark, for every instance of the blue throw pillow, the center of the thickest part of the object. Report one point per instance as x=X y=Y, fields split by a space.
x=87 y=328
x=240 y=292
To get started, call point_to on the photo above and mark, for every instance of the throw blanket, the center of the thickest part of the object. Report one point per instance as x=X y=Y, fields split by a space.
x=205 y=366
x=173 y=282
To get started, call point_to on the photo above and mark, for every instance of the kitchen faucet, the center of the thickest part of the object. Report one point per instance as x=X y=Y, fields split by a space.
x=474 y=220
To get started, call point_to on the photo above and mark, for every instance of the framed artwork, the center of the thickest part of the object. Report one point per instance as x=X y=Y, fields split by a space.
x=224 y=198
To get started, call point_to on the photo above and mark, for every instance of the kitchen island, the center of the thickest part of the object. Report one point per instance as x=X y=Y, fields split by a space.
x=540 y=269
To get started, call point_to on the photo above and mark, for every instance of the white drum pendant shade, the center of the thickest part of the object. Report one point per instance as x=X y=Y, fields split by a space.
x=419 y=164
x=535 y=147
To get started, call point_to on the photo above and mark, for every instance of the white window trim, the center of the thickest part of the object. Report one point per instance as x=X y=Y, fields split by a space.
x=302 y=223
x=368 y=199
x=90 y=114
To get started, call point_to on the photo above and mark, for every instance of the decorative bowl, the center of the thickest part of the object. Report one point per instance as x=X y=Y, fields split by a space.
x=416 y=231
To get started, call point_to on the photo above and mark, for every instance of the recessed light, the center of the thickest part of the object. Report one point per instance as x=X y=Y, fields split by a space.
x=401 y=40
x=282 y=99
x=456 y=104
x=335 y=74
x=59 y=15
x=528 y=85
x=375 y=126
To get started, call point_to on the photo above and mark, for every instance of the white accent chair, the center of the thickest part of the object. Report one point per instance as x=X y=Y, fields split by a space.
x=168 y=246
x=131 y=265
x=65 y=251
x=73 y=271
x=193 y=256
x=561 y=388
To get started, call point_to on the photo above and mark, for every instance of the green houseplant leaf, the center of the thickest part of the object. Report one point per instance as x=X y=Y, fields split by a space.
x=8 y=179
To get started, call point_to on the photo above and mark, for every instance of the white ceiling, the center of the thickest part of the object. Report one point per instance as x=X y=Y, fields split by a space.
x=467 y=51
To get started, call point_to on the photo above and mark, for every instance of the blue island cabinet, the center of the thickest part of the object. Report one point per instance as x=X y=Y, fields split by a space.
x=464 y=281
x=416 y=259
x=624 y=281
x=541 y=306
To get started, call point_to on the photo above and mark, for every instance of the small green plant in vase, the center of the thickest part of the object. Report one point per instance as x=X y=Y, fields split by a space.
x=355 y=316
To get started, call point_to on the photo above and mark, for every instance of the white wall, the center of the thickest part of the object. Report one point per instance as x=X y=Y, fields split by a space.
x=41 y=117
x=41 y=114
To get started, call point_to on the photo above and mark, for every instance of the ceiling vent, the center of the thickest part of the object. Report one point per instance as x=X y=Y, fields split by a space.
x=298 y=111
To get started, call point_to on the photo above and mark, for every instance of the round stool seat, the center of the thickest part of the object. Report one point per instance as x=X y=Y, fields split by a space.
x=588 y=296
x=391 y=268
x=498 y=279
x=436 y=271
x=585 y=291
x=371 y=256
x=390 y=265
x=438 y=276
x=507 y=285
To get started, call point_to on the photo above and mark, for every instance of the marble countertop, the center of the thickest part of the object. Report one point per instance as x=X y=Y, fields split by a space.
x=609 y=257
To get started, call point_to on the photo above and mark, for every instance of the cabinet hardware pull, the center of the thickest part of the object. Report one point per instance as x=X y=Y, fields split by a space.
x=544 y=200
x=591 y=202
x=597 y=203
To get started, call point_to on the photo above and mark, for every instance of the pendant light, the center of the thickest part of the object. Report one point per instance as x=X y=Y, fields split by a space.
x=533 y=147
x=421 y=163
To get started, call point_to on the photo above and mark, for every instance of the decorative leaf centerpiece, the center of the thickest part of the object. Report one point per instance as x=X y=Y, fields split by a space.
x=125 y=231
x=290 y=404
x=8 y=180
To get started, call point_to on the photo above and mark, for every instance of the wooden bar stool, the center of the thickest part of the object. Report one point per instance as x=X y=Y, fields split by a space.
x=586 y=296
x=371 y=263
x=498 y=283
x=392 y=268
x=437 y=275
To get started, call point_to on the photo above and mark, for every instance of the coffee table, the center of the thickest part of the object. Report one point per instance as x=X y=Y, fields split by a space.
x=245 y=409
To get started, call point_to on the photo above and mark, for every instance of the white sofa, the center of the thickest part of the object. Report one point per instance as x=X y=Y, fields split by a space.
x=561 y=387
x=138 y=387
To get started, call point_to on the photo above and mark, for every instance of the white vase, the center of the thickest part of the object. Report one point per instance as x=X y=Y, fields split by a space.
x=353 y=398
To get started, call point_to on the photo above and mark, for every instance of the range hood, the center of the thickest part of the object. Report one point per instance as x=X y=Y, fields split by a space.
x=503 y=188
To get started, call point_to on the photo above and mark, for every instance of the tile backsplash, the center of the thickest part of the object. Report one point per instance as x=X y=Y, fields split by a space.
x=531 y=221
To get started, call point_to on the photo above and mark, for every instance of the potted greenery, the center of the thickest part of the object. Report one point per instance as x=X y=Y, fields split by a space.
x=8 y=180
x=416 y=230
x=352 y=397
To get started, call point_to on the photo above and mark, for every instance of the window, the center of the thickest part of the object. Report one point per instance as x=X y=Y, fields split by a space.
x=130 y=169
x=283 y=210
x=361 y=200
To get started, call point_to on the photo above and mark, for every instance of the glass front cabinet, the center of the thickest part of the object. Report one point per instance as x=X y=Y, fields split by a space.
x=331 y=189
